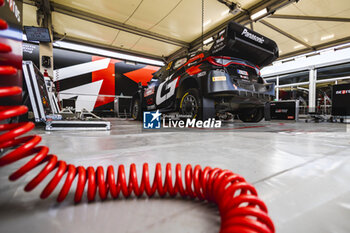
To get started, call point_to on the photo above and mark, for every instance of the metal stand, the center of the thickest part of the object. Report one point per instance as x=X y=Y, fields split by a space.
x=122 y=106
x=77 y=125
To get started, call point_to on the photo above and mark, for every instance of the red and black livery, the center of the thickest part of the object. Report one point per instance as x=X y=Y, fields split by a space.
x=205 y=84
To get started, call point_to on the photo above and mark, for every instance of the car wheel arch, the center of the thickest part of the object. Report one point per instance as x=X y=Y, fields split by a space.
x=185 y=84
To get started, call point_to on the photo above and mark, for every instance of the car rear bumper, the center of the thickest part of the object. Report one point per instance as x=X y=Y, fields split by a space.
x=243 y=95
x=220 y=84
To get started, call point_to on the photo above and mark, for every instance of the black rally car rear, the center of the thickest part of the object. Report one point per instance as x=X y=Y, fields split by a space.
x=236 y=57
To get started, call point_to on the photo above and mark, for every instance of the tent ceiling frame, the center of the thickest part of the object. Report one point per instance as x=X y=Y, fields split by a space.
x=313 y=18
x=290 y=36
x=242 y=18
x=30 y=2
x=66 y=10
x=317 y=47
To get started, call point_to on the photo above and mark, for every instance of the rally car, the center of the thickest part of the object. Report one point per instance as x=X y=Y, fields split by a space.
x=225 y=79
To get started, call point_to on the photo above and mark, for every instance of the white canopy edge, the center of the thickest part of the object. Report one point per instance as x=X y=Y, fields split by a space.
x=327 y=57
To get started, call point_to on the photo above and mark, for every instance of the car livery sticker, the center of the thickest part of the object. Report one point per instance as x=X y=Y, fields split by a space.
x=168 y=86
x=149 y=91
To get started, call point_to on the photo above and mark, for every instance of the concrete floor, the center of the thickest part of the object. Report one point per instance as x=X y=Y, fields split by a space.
x=300 y=170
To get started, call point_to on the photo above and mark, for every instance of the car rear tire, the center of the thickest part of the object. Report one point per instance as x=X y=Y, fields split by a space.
x=136 y=111
x=251 y=115
x=191 y=104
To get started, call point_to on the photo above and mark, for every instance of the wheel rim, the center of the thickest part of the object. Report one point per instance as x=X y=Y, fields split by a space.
x=250 y=115
x=190 y=106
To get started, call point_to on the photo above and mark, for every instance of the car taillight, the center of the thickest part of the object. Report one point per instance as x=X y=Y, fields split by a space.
x=218 y=61
x=222 y=61
x=212 y=61
x=227 y=61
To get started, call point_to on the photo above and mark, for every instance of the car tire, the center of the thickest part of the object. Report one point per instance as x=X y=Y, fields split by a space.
x=191 y=104
x=252 y=115
x=136 y=111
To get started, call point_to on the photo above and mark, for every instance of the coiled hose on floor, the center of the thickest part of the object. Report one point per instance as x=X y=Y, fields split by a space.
x=240 y=208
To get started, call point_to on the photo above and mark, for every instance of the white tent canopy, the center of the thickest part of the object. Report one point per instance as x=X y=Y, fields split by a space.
x=160 y=28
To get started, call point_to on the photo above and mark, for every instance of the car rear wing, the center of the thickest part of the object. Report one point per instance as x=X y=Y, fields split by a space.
x=240 y=42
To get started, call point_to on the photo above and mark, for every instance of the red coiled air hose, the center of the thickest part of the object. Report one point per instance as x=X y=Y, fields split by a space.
x=240 y=208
